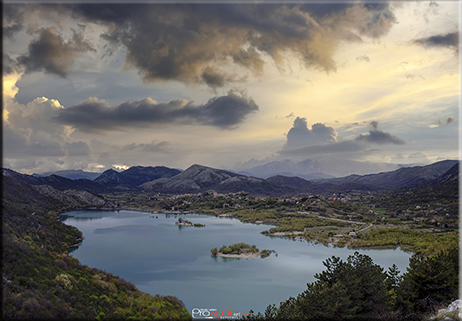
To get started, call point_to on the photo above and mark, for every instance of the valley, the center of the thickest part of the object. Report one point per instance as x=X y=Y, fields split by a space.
x=415 y=209
x=138 y=135
x=328 y=219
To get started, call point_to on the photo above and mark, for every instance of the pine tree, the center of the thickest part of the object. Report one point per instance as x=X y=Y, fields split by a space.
x=353 y=289
x=429 y=282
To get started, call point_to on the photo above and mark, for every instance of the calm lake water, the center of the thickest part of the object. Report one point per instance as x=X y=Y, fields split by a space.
x=160 y=257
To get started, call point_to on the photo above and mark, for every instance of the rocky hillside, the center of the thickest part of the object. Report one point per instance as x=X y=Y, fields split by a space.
x=444 y=187
x=74 y=197
x=450 y=178
x=16 y=191
x=138 y=175
x=403 y=177
x=61 y=183
x=198 y=178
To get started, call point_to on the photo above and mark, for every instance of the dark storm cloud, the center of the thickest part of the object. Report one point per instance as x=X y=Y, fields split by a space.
x=449 y=40
x=376 y=136
x=300 y=136
x=13 y=19
x=213 y=78
x=185 y=42
x=200 y=43
x=50 y=53
x=224 y=112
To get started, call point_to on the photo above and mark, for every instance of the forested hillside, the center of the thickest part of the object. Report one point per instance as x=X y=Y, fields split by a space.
x=41 y=281
x=359 y=289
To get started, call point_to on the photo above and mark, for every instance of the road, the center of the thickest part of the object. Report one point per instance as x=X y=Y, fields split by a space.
x=332 y=219
x=367 y=225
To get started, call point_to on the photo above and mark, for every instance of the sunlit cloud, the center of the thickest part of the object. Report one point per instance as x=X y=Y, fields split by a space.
x=226 y=83
x=120 y=167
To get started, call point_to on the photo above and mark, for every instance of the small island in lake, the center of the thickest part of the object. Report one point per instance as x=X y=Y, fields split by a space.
x=183 y=222
x=241 y=251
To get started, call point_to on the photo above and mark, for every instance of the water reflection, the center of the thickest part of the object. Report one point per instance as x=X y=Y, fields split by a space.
x=163 y=258
x=64 y=217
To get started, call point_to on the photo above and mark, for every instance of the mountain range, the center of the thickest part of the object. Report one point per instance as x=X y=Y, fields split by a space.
x=316 y=168
x=403 y=177
x=308 y=169
x=138 y=175
x=198 y=178
x=71 y=174
x=16 y=191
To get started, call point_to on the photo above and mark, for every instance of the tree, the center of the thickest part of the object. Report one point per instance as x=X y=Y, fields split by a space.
x=345 y=290
x=429 y=282
x=392 y=283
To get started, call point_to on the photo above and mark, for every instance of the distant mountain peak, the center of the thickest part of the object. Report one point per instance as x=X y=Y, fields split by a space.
x=197 y=166
x=326 y=167
x=137 y=175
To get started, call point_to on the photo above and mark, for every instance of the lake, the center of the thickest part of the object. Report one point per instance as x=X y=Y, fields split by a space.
x=160 y=257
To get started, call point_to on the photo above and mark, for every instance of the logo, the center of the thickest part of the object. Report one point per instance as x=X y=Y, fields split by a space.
x=215 y=314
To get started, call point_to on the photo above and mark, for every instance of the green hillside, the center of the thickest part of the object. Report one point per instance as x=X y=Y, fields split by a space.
x=41 y=281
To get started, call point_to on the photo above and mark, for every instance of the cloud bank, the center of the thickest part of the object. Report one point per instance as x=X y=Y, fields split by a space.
x=225 y=112
x=28 y=131
x=322 y=140
x=193 y=43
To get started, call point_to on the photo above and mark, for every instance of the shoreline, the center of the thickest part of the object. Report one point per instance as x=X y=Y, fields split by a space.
x=290 y=233
x=134 y=209
x=75 y=245
x=296 y=234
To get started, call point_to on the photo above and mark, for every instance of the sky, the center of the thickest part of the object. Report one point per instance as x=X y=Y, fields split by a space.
x=230 y=85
